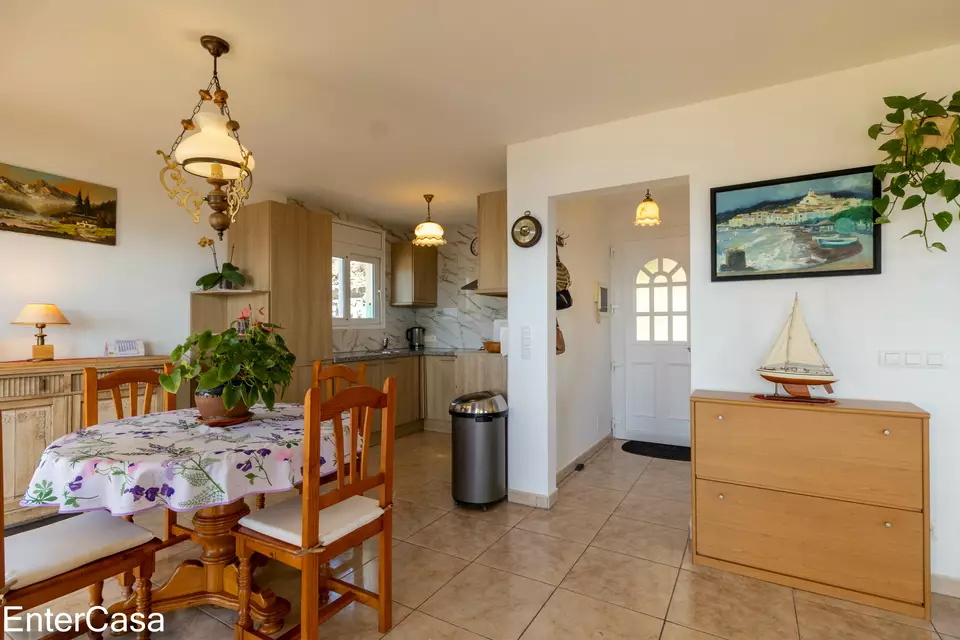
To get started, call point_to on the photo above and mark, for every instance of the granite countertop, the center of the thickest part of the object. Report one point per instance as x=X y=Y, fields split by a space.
x=358 y=356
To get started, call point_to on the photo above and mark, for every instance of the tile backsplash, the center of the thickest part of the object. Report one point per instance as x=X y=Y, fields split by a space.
x=461 y=319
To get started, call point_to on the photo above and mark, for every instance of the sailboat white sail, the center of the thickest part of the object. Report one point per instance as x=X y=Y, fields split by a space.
x=795 y=357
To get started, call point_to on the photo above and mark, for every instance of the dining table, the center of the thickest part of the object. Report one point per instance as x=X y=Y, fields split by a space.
x=172 y=460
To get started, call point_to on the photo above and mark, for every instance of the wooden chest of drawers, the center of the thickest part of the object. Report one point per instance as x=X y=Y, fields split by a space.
x=828 y=498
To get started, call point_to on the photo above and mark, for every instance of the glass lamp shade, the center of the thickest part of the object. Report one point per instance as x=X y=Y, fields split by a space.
x=212 y=144
x=37 y=313
x=648 y=213
x=428 y=234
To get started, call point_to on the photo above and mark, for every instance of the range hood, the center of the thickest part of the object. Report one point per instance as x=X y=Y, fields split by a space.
x=470 y=286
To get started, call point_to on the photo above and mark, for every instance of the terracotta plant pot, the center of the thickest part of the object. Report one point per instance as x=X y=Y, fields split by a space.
x=210 y=405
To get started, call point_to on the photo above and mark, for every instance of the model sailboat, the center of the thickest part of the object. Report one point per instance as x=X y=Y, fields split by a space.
x=795 y=361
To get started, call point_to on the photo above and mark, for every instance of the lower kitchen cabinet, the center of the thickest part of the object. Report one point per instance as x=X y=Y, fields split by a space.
x=407 y=372
x=439 y=389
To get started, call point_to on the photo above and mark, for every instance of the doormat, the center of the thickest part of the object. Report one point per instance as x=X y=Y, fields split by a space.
x=655 y=450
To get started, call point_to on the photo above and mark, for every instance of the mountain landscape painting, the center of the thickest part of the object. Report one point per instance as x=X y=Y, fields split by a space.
x=813 y=225
x=45 y=204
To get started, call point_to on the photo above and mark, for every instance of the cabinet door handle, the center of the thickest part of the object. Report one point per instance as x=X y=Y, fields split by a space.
x=720 y=496
x=886 y=432
x=888 y=524
x=719 y=417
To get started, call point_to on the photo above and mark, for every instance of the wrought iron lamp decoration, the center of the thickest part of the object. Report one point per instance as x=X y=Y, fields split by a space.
x=213 y=152
x=648 y=212
x=428 y=233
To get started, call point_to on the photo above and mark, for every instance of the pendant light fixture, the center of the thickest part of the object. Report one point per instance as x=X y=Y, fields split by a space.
x=428 y=233
x=648 y=213
x=213 y=153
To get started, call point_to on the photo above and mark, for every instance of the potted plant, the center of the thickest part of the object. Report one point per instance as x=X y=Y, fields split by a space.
x=236 y=368
x=226 y=278
x=925 y=140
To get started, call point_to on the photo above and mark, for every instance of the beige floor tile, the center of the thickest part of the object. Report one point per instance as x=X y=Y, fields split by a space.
x=861 y=609
x=533 y=555
x=419 y=626
x=677 y=467
x=424 y=467
x=668 y=513
x=676 y=632
x=459 y=536
x=417 y=573
x=613 y=457
x=663 y=486
x=633 y=583
x=169 y=559
x=579 y=495
x=409 y=517
x=599 y=476
x=946 y=614
x=562 y=521
x=642 y=540
x=355 y=558
x=570 y=616
x=733 y=607
x=359 y=622
x=435 y=493
x=489 y=602
x=820 y=622
x=504 y=512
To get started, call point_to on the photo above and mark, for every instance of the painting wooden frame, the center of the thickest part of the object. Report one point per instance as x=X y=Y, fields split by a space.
x=45 y=204
x=778 y=212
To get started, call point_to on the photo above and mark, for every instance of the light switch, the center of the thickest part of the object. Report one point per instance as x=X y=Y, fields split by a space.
x=913 y=359
x=891 y=358
x=936 y=359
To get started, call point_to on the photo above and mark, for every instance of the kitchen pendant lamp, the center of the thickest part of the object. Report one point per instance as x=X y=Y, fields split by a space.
x=428 y=233
x=648 y=213
x=213 y=152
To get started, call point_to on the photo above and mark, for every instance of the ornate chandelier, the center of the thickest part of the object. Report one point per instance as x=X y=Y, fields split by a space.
x=428 y=233
x=213 y=152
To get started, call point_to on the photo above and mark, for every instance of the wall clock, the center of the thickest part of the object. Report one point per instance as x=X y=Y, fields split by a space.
x=526 y=231
x=475 y=246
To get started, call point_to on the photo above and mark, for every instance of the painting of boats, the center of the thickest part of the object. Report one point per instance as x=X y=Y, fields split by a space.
x=813 y=225
x=45 y=204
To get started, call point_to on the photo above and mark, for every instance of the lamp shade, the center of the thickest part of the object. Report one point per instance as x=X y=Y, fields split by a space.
x=648 y=212
x=428 y=234
x=40 y=313
x=211 y=145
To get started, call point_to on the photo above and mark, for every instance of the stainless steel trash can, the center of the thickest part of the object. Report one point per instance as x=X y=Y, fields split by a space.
x=479 y=447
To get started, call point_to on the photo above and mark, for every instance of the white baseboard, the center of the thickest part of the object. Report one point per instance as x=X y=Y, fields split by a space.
x=537 y=500
x=945 y=585
x=583 y=457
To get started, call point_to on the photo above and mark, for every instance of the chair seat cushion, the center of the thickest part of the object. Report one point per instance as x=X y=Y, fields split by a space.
x=45 y=552
x=283 y=521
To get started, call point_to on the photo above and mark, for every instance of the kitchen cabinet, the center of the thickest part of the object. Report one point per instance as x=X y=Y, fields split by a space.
x=439 y=389
x=481 y=371
x=492 y=234
x=407 y=372
x=413 y=278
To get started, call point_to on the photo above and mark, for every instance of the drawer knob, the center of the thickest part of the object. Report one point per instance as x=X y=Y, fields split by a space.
x=719 y=417
x=888 y=524
x=720 y=496
x=886 y=432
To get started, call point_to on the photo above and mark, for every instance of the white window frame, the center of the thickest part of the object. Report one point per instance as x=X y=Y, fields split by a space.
x=369 y=253
x=668 y=284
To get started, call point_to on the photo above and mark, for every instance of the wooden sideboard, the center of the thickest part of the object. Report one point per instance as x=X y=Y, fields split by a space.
x=833 y=499
x=41 y=401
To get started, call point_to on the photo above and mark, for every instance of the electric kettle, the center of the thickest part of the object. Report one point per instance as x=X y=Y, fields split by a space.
x=415 y=338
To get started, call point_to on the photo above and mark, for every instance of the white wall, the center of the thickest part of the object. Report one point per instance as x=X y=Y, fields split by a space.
x=801 y=127
x=583 y=371
x=138 y=289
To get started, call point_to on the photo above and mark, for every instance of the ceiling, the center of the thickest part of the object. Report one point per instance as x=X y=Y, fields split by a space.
x=362 y=106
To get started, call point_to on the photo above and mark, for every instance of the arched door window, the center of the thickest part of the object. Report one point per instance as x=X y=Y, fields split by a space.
x=661 y=302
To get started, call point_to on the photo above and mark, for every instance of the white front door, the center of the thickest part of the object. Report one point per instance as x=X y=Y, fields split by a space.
x=652 y=365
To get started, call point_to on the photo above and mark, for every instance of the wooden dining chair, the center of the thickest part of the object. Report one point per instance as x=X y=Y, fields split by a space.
x=305 y=534
x=52 y=561
x=114 y=382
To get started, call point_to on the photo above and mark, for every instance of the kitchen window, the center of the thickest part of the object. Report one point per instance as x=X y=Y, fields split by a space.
x=357 y=270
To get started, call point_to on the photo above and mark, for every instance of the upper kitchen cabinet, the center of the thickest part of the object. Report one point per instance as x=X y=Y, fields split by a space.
x=414 y=276
x=492 y=234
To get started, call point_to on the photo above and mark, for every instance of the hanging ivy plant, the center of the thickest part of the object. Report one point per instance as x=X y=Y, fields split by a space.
x=925 y=141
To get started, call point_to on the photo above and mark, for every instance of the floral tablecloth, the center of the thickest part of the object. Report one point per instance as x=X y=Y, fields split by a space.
x=174 y=460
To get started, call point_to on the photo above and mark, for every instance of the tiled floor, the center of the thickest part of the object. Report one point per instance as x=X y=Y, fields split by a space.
x=610 y=561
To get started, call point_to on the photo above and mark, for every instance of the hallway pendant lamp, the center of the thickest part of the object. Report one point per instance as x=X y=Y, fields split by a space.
x=212 y=151
x=428 y=233
x=648 y=213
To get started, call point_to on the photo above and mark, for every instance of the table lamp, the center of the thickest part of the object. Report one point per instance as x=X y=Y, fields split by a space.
x=40 y=315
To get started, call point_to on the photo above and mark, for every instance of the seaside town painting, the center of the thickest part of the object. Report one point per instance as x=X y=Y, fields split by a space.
x=45 y=204
x=809 y=225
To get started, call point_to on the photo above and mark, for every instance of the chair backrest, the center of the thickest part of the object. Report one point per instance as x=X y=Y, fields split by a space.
x=337 y=377
x=114 y=381
x=355 y=400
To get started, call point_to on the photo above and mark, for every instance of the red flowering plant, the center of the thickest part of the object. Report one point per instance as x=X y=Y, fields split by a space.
x=249 y=362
